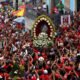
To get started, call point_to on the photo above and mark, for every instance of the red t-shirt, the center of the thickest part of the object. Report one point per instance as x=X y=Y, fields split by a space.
x=1 y=74
x=68 y=68
x=60 y=65
x=33 y=78
x=44 y=55
x=57 y=75
x=65 y=28
x=5 y=66
x=78 y=73
x=44 y=77
x=6 y=75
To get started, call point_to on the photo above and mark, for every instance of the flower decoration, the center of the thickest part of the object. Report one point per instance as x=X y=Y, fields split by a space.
x=42 y=40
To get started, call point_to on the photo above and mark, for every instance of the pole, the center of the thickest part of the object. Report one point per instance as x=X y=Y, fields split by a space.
x=16 y=4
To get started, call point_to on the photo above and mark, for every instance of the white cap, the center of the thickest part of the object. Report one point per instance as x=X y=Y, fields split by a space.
x=16 y=72
x=0 y=77
x=48 y=62
x=1 y=58
x=41 y=58
x=45 y=71
x=38 y=79
x=78 y=54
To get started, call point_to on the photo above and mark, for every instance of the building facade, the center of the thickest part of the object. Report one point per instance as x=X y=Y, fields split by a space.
x=2 y=0
x=72 y=5
x=20 y=2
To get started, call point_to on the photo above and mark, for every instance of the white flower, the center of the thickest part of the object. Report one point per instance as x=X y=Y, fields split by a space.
x=42 y=41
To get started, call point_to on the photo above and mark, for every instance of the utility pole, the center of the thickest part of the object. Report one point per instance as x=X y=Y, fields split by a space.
x=16 y=4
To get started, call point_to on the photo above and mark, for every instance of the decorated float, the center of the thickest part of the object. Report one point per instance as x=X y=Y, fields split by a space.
x=43 y=32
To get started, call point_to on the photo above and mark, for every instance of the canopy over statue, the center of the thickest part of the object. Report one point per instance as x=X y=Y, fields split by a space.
x=43 y=24
x=43 y=32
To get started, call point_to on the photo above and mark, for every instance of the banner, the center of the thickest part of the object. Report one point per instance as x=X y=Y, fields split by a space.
x=65 y=19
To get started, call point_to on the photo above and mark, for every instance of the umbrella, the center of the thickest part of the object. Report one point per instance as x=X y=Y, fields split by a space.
x=20 y=20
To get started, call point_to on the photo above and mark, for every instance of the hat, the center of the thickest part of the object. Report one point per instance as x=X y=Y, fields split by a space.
x=0 y=77
x=1 y=58
x=48 y=62
x=41 y=58
x=39 y=53
x=15 y=72
x=45 y=71
x=78 y=54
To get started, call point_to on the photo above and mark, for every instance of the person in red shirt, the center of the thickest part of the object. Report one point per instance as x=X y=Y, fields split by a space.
x=34 y=77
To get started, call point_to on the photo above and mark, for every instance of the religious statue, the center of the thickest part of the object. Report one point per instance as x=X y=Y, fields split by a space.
x=44 y=28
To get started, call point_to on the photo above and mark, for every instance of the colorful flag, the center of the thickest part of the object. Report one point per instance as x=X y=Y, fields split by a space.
x=20 y=12
x=22 y=7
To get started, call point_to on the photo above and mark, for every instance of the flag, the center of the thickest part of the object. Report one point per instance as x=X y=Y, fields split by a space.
x=22 y=7
x=19 y=12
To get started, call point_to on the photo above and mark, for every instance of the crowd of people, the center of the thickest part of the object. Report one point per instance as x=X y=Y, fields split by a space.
x=20 y=60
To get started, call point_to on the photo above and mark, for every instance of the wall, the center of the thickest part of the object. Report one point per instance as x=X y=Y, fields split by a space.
x=19 y=2
x=48 y=2
x=70 y=4
x=2 y=0
x=51 y=3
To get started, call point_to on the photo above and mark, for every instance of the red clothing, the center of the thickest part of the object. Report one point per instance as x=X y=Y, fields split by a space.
x=22 y=62
x=65 y=28
x=41 y=77
x=57 y=75
x=6 y=75
x=44 y=55
x=19 y=26
x=63 y=59
x=44 y=77
x=68 y=68
x=33 y=78
x=5 y=66
x=78 y=47
x=59 y=39
x=78 y=73
x=1 y=74
x=60 y=65
x=78 y=34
